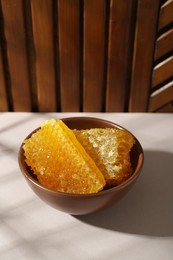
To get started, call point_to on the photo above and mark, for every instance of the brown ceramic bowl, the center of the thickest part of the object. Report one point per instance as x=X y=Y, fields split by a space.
x=79 y=204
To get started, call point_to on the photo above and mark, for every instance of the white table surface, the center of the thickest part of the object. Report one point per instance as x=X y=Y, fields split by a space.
x=139 y=227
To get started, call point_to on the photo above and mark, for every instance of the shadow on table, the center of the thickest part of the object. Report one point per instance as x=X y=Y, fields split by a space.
x=148 y=208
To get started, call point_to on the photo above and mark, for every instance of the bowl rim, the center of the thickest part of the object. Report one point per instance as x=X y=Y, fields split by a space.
x=100 y=193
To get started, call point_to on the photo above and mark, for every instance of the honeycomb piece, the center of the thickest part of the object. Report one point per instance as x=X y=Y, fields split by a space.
x=110 y=149
x=60 y=162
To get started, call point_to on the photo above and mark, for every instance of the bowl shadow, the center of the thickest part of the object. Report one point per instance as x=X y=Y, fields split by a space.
x=148 y=208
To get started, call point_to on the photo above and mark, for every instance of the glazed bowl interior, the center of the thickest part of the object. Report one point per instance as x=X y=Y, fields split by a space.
x=80 y=204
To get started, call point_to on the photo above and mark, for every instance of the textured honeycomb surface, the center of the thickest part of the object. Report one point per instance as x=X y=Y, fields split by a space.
x=110 y=149
x=60 y=162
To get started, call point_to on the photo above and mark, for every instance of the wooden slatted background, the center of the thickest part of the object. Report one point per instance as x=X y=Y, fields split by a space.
x=3 y=94
x=14 y=27
x=69 y=28
x=120 y=47
x=43 y=40
x=85 y=55
x=94 y=43
x=161 y=93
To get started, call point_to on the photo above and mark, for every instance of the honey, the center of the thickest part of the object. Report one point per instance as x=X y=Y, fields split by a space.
x=110 y=149
x=59 y=160
x=79 y=161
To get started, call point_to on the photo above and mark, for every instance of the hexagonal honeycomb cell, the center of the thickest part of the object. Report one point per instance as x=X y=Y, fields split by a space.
x=60 y=161
x=110 y=150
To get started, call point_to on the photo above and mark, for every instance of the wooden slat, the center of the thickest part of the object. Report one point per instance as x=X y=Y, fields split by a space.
x=3 y=94
x=168 y=108
x=42 y=17
x=161 y=97
x=162 y=71
x=118 y=54
x=69 y=54
x=146 y=27
x=94 y=55
x=164 y=44
x=166 y=14
x=14 y=27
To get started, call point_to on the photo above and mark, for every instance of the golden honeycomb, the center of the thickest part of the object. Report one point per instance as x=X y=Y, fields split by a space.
x=60 y=161
x=110 y=149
